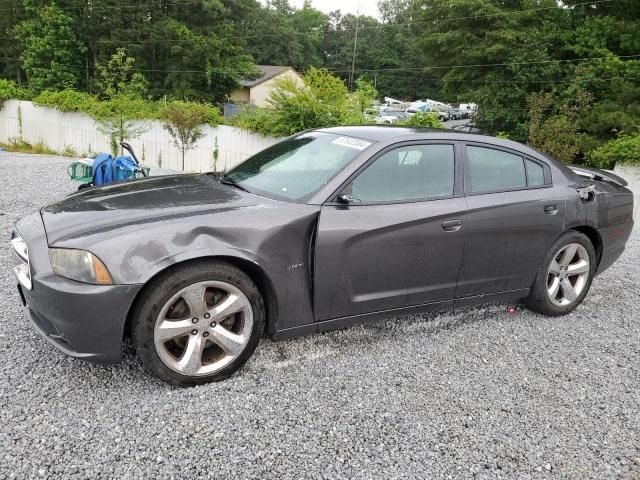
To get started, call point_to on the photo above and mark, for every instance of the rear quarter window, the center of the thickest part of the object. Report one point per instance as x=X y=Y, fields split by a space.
x=535 y=173
x=494 y=170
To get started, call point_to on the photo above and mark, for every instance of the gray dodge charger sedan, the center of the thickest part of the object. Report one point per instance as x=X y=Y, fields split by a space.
x=322 y=230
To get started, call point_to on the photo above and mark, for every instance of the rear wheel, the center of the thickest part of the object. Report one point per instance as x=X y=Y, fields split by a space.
x=565 y=276
x=199 y=323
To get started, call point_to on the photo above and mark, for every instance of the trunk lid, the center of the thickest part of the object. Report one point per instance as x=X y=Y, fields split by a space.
x=597 y=174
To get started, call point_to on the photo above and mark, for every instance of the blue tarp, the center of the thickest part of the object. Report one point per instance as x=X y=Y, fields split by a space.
x=107 y=169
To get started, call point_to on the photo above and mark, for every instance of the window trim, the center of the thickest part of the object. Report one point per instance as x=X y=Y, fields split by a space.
x=458 y=170
x=467 y=171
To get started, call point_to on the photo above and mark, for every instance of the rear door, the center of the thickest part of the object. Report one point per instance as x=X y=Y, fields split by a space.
x=515 y=214
x=400 y=241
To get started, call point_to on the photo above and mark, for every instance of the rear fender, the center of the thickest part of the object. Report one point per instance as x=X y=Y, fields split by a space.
x=605 y=215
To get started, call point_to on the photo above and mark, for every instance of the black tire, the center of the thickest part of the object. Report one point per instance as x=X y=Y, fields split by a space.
x=538 y=299
x=163 y=288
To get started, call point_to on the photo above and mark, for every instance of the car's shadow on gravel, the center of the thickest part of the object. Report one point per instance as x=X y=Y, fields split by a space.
x=361 y=340
x=355 y=340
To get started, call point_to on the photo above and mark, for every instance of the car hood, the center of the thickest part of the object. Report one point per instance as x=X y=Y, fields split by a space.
x=153 y=199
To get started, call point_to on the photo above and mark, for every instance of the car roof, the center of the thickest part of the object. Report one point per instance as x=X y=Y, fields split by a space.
x=378 y=133
x=388 y=133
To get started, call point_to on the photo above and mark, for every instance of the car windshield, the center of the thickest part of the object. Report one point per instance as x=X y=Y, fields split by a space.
x=298 y=167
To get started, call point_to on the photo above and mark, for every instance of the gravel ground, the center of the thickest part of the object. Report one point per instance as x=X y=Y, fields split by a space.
x=478 y=393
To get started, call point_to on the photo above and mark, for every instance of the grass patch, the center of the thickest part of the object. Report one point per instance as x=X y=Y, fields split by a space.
x=22 y=146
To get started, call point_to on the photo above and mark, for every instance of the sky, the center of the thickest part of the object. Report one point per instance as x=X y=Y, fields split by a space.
x=365 y=7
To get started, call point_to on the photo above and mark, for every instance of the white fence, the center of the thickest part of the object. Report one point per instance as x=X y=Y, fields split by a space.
x=632 y=176
x=60 y=130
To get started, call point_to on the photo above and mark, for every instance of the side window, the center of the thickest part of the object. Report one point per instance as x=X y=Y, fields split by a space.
x=535 y=173
x=491 y=170
x=407 y=173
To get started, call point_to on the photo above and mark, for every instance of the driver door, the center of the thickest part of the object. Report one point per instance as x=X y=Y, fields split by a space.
x=399 y=242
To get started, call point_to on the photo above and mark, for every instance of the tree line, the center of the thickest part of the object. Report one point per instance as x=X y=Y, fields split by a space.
x=558 y=74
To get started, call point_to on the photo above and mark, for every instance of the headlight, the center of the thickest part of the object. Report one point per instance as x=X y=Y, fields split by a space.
x=79 y=265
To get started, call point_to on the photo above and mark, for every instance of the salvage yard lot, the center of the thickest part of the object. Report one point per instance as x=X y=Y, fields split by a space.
x=474 y=393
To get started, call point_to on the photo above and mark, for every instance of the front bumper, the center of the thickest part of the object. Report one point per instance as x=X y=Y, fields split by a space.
x=84 y=321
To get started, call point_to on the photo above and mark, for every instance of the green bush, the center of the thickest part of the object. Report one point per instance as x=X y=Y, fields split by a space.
x=74 y=101
x=423 y=119
x=131 y=107
x=254 y=119
x=10 y=91
x=66 y=101
x=124 y=106
x=323 y=101
x=624 y=150
x=213 y=115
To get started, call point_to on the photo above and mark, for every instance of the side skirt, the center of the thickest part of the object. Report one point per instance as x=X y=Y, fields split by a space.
x=343 y=322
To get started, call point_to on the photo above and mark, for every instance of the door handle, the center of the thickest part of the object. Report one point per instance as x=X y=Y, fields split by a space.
x=550 y=209
x=451 y=225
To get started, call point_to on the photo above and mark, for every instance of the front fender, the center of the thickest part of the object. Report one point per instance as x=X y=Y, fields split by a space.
x=276 y=241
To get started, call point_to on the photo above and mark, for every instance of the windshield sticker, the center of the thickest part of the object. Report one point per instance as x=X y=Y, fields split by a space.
x=352 y=143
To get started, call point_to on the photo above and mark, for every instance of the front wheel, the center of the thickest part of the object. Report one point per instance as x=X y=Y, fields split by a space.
x=198 y=323
x=565 y=276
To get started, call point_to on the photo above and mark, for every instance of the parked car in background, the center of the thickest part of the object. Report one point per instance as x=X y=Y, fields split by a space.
x=467 y=127
x=390 y=117
x=443 y=116
x=325 y=229
x=371 y=113
x=468 y=109
x=456 y=114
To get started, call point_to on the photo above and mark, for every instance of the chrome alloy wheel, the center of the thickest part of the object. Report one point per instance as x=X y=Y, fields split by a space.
x=203 y=328
x=568 y=274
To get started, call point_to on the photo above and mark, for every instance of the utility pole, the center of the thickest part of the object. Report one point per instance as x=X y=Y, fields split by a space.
x=355 y=51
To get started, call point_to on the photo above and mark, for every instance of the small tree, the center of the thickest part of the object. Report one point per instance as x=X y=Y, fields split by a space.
x=365 y=94
x=556 y=133
x=118 y=78
x=358 y=102
x=183 y=121
x=118 y=119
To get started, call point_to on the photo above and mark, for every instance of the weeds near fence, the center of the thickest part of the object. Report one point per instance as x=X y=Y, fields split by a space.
x=69 y=151
x=39 y=148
